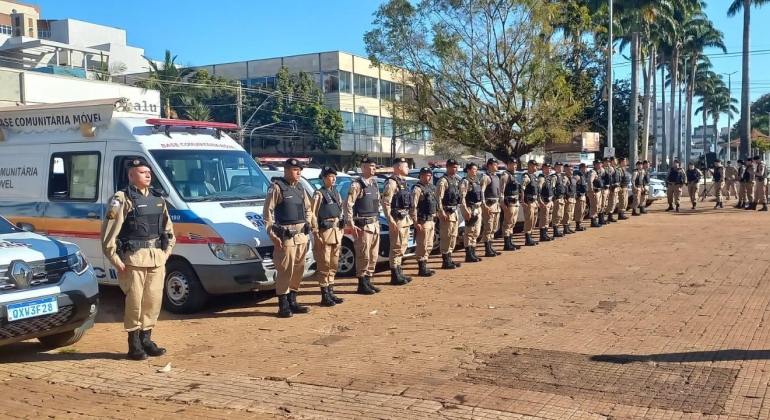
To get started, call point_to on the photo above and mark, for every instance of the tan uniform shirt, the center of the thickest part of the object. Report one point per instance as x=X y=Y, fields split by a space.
x=731 y=173
x=329 y=236
x=355 y=193
x=636 y=174
x=467 y=209
x=441 y=188
x=592 y=175
x=113 y=222
x=526 y=179
x=275 y=197
x=391 y=187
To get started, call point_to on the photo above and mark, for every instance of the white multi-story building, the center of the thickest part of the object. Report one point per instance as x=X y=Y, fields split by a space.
x=680 y=117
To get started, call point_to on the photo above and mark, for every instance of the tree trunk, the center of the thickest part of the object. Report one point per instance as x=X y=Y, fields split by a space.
x=167 y=109
x=648 y=74
x=633 y=129
x=690 y=94
x=664 y=143
x=679 y=129
x=705 y=121
x=673 y=72
x=715 y=117
x=654 y=74
x=745 y=128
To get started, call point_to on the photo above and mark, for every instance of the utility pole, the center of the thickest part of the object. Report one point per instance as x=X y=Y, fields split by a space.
x=239 y=113
x=609 y=81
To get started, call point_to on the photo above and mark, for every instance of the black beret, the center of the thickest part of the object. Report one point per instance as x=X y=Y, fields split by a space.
x=513 y=158
x=676 y=160
x=326 y=170
x=582 y=165
x=717 y=161
x=691 y=163
x=425 y=170
x=491 y=161
x=559 y=164
x=568 y=166
x=398 y=160
x=452 y=162
x=606 y=159
x=644 y=162
x=137 y=162
x=292 y=162
x=621 y=159
x=546 y=165
x=740 y=160
x=639 y=162
x=757 y=158
x=597 y=162
x=469 y=165
x=367 y=160
x=532 y=162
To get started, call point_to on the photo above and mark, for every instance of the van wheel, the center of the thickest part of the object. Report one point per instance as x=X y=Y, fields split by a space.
x=63 y=339
x=182 y=290
x=346 y=266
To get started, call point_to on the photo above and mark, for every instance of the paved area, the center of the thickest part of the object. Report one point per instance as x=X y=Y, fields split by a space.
x=657 y=317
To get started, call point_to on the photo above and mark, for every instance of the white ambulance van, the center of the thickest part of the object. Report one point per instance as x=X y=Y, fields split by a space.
x=60 y=164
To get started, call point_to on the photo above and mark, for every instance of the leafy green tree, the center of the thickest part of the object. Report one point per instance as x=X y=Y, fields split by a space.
x=198 y=112
x=170 y=80
x=106 y=71
x=621 y=108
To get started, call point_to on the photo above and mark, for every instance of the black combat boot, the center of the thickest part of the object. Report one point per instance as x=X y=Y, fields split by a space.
x=508 y=244
x=149 y=347
x=764 y=207
x=670 y=207
x=363 y=289
x=601 y=220
x=283 y=307
x=528 y=241
x=544 y=235
x=408 y=279
x=326 y=300
x=716 y=205
x=611 y=218
x=643 y=210
x=135 y=350
x=488 y=250
x=557 y=233
x=294 y=306
x=595 y=223
x=514 y=245
x=739 y=205
x=579 y=226
x=622 y=215
x=721 y=204
x=453 y=262
x=469 y=257
x=446 y=262
x=568 y=230
x=677 y=208
x=694 y=205
x=336 y=299
x=752 y=206
x=369 y=284
x=635 y=212
x=395 y=277
x=423 y=270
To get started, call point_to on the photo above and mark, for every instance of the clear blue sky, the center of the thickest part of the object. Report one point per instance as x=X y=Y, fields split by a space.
x=234 y=30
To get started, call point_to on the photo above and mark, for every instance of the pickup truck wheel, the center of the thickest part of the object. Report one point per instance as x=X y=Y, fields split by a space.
x=182 y=291
x=63 y=339
x=346 y=267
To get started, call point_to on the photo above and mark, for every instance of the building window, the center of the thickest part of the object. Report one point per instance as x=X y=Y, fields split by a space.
x=347 y=121
x=387 y=127
x=43 y=33
x=364 y=86
x=6 y=30
x=366 y=124
x=346 y=81
x=331 y=81
x=74 y=177
x=390 y=90
x=263 y=82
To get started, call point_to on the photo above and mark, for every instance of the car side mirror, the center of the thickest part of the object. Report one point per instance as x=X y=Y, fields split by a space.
x=27 y=227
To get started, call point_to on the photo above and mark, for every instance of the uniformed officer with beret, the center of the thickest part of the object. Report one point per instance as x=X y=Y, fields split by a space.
x=570 y=199
x=609 y=193
x=741 y=184
x=561 y=183
x=694 y=175
x=731 y=180
x=288 y=220
x=718 y=173
x=580 y=199
x=137 y=238
x=327 y=233
x=471 y=198
x=547 y=185
x=448 y=195
x=760 y=184
x=637 y=183
x=624 y=181
x=424 y=210
x=675 y=179
x=362 y=213
x=397 y=204
x=595 y=184
x=511 y=192
x=646 y=183
x=490 y=207
x=530 y=198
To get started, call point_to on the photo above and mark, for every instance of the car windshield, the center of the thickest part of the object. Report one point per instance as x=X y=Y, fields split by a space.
x=212 y=175
x=7 y=227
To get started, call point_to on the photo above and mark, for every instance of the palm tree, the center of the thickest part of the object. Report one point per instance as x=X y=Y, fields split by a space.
x=169 y=79
x=198 y=111
x=106 y=71
x=709 y=83
x=745 y=123
x=722 y=104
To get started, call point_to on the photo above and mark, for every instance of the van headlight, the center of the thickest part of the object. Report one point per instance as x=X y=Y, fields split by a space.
x=233 y=252
x=77 y=263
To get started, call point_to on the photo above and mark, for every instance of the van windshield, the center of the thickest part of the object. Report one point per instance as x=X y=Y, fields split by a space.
x=212 y=175
x=7 y=227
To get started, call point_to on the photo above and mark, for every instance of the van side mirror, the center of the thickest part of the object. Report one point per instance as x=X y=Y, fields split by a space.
x=27 y=227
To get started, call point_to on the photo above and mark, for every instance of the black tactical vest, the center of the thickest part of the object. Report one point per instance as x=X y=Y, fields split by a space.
x=646 y=177
x=144 y=220
x=639 y=178
x=692 y=175
x=624 y=176
x=331 y=206
x=452 y=194
x=616 y=175
x=561 y=189
x=607 y=177
x=674 y=176
x=719 y=174
x=572 y=188
x=402 y=198
x=367 y=205
x=532 y=190
x=598 y=180
x=512 y=188
x=473 y=196
x=746 y=177
x=547 y=190
x=493 y=189
x=580 y=180
x=428 y=206
x=291 y=210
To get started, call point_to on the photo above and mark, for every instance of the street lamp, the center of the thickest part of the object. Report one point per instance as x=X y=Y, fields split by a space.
x=251 y=133
x=729 y=114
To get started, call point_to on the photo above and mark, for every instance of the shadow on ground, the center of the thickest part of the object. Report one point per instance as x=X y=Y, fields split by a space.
x=685 y=357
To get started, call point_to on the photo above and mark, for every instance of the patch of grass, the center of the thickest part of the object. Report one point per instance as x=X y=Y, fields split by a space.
x=68 y=351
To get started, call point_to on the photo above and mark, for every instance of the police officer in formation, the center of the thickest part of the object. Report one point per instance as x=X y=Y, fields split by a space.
x=530 y=199
x=731 y=180
x=547 y=185
x=471 y=198
x=718 y=173
x=581 y=187
x=608 y=192
x=397 y=206
x=746 y=186
x=511 y=192
x=137 y=238
x=490 y=207
x=624 y=181
x=362 y=212
x=288 y=220
x=448 y=195
x=570 y=199
x=561 y=183
x=637 y=182
x=613 y=175
x=646 y=183
x=595 y=182
x=760 y=184
x=675 y=180
x=328 y=232
x=694 y=176
x=424 y=211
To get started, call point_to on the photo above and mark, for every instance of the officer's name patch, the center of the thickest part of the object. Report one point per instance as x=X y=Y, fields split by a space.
x=110 y=215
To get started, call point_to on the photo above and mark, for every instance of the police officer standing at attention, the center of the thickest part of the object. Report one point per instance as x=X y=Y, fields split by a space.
x=424 y=211
x=760 y=184
x=570 y=200
x=561 y=183
x=362 y=213
x=595 y=183
x=731 y=179
x=637 y=181
x=137 y=238
x=580 y=200
x=327 y=207
x=511 y=192
x=624 y=179
x=547 y=184
x=719 y=180
x=288 y=220
x=530 y=199
x=397 y=204
x=471 y=196
x=674 y=181
x=749 y=178
x=448 y=195
x=694 y=176
x=490 y=185
x=741 y=184
x=646 y=183
x=609 y=192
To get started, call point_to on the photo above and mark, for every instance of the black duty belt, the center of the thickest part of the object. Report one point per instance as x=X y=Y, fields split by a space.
x=511 y=200
x=423 y=218
x=363 y=221
x=140 y=244
x=546 y=199
x=450 y=208
x=287 y=233
x=330 y=223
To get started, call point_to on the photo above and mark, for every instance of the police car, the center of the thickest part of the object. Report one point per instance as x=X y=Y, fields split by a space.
x=48 y=291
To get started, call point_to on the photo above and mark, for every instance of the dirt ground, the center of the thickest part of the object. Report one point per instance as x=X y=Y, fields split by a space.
x=659 y=317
